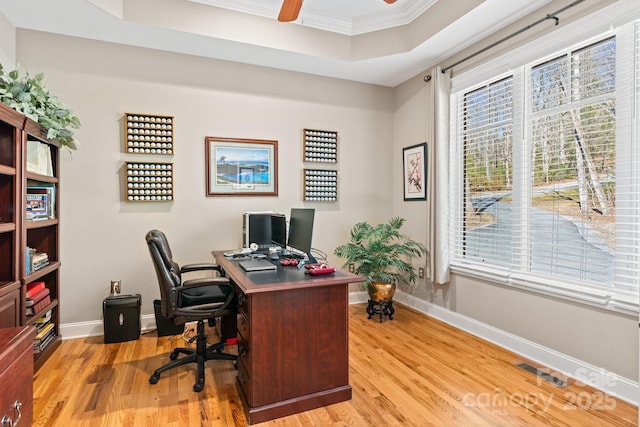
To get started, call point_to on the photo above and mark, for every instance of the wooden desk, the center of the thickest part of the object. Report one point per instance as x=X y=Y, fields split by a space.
x=293 y=343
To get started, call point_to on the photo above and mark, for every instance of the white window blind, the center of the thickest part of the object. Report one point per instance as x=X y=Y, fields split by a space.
x=545 y=172
x=572 y=134
x=486 y=132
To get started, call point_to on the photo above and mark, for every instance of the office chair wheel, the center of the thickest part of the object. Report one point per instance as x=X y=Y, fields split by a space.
x=154 y=379
x=197 y=387
x=173 y=355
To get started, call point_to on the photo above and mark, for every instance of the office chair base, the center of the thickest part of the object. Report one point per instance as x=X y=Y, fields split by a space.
x=201 y=354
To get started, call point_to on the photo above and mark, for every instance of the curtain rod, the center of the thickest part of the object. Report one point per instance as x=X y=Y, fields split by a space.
x=546 y=18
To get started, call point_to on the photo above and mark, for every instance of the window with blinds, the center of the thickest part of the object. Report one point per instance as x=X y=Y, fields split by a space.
x=486 y=132
x=545 y=172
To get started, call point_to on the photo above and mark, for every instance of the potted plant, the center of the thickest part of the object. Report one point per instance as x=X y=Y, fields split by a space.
x=30 y=97
x=382 y=255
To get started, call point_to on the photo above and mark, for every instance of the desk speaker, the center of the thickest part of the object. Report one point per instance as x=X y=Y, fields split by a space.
x=121 y=318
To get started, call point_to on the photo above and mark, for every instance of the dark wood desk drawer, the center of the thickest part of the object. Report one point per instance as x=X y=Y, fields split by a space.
x=244 y=302
x=244 y=327
x=244 y=380
x=244 y=355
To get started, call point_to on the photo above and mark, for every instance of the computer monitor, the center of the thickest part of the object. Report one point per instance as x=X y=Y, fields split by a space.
x=301 y=231
x=279 y=231
x=266 y=229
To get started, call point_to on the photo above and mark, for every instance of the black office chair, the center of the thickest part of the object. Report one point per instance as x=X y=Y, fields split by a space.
x=191 y=300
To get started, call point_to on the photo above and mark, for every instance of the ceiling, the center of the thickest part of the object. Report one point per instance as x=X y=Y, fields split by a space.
x=368 y=41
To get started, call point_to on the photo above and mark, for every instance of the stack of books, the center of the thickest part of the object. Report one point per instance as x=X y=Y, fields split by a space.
x=38 y=298
x=35 y=260
x=46 y=332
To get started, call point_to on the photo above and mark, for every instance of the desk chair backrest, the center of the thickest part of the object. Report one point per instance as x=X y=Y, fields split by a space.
x=167 y=270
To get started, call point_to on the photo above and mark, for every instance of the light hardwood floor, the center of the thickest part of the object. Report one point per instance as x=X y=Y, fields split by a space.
x=411 y=371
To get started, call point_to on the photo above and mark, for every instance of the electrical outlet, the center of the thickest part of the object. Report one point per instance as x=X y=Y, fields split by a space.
x=352 y=268
x=421 y=273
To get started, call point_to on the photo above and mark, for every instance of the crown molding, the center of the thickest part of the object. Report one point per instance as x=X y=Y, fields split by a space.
x=314 y=17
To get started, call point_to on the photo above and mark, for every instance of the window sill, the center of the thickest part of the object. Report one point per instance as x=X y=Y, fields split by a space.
x=617 y=300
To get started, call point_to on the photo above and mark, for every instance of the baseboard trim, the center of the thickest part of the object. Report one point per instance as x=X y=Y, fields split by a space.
x=96 y=328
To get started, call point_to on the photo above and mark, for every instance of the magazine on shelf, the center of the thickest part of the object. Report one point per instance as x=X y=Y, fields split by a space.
x=41 y=202
x=43 y=332
x=43 y=320
x=37 y=207
x=44 y=337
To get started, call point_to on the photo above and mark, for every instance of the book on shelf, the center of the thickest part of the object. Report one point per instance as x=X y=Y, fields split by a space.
x=39 y=306
x=37 y=297
x=44 y=337
x=43 y=332
x=39 y=158
x=39 y=348
x=41 y=202
x=42 y=321
x=35 y=260
x=34 y=287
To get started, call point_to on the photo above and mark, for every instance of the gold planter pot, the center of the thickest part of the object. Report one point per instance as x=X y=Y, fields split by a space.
x=381 y=292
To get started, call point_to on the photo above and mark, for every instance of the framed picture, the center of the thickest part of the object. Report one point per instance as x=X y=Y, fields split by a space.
x=415 y=172
x=241 y=167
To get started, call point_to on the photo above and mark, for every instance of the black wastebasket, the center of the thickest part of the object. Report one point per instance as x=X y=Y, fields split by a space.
x=121 y=318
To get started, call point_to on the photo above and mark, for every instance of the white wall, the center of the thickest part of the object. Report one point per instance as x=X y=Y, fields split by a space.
x=7 y=44
x=102 y=237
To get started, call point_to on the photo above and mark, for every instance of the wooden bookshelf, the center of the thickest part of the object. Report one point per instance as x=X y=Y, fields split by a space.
x=17 y=233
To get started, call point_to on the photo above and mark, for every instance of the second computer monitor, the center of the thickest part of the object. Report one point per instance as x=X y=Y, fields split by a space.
x=265 y=229
x=301 y=230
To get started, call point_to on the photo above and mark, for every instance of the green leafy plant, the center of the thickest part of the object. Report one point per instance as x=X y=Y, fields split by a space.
x=381 y=253
x=28 y=96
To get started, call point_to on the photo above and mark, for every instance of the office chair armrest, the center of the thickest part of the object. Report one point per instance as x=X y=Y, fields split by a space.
x=200 y=267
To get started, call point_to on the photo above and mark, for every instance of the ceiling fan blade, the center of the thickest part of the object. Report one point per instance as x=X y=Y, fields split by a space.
x=290 y=10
